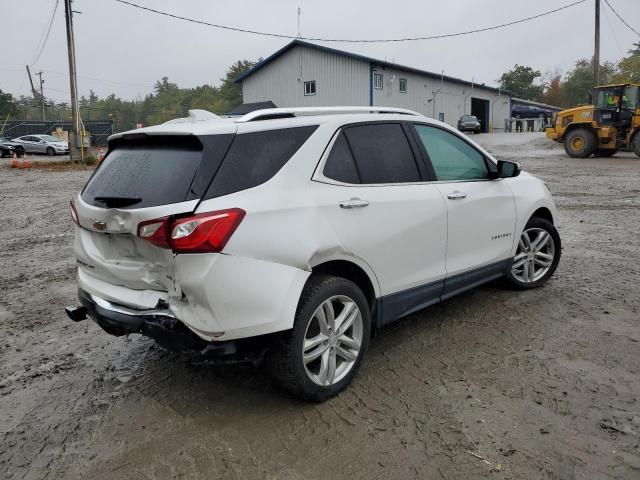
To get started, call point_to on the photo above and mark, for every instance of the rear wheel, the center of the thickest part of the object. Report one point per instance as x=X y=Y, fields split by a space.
x=607 y=153
x=537 y=255
x=320 y=356
x=580 y=143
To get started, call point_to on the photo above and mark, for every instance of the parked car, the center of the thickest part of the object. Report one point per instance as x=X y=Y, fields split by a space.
x=528 y=111
x=469 y=123
x=8 y=148
x=47 y=144
x=290 y=235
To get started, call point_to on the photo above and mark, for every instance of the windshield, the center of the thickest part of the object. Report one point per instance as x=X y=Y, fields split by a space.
x=608 y=98
x=468 y=118
x=631 y=98
x=49 y=138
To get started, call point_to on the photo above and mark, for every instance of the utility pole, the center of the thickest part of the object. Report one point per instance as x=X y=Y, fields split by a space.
x=33 y=89
x=596 y=51
x=75 y=126
x=42 y=95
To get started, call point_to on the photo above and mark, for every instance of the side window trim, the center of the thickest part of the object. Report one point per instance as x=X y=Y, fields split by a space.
x=491 y=167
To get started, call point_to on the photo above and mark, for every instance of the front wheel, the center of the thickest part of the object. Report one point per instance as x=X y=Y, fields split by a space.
x=580 y=143
x=50 y=151
x=320 y=356
x=537 y=256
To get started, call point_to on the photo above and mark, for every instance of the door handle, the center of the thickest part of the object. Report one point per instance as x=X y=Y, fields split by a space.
x=353 y=203
x=456 y=195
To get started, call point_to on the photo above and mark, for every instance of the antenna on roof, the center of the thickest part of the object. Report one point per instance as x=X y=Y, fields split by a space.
x=299 y=37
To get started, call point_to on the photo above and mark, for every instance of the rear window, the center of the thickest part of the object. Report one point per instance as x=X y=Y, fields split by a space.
x=254 y=158
x=155 y=170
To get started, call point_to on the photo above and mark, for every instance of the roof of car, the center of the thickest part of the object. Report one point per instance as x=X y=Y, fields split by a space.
x=205 y=123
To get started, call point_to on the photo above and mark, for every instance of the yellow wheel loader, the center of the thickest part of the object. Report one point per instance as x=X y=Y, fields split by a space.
x=612 y=124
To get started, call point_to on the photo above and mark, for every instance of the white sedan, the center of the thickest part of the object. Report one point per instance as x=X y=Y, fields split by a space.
x=47 y=144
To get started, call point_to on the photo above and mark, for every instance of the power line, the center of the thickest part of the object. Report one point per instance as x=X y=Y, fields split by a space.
x=46 y=35
x=346 y=40
x=622 y=19
x=102 y=80
x=613 y=33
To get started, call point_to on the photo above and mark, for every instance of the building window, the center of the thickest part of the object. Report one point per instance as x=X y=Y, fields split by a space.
x=378 y=81
x=441 y=116
x=403 y=85
x=310 y=87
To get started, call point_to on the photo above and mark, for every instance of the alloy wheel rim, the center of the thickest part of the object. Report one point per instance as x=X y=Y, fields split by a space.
x=535 y=255
x=332 y=340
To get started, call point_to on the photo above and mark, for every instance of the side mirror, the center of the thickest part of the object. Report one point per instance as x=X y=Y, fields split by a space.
x=508 y=169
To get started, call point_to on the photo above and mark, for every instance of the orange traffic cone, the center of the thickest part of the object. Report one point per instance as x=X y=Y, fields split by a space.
x=14 y=161
x=25 y=161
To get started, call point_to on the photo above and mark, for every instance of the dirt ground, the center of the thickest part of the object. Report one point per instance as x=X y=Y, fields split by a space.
x=491 y=384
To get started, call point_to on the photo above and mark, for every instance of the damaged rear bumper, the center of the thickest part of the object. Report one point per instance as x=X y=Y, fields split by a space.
x=162 y=326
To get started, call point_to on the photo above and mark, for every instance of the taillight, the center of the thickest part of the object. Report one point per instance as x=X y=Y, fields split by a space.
x=203 y=233
x=155 y=231
x=74 y=214
x=207 y=232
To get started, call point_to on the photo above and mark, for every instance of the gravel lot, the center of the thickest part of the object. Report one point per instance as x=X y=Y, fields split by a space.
x=491 y=384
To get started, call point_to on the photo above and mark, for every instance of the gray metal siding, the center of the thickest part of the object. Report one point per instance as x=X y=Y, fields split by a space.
x=339 y=80
x=345 y=81
x=430 y=97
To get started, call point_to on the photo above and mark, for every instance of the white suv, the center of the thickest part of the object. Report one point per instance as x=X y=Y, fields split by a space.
x=290 y=235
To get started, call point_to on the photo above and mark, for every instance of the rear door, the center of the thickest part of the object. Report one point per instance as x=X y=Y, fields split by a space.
x=142 y=178
x=371 y=188
x=481 y=212
x=29 y=143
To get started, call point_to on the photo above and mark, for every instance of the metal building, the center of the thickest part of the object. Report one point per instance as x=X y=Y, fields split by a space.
x=303 y=74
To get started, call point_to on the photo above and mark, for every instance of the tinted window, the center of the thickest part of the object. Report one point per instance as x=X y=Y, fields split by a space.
x=254 y=158
x=382 y=153
x=452 y=158
x=340 y=165
x=157 y=170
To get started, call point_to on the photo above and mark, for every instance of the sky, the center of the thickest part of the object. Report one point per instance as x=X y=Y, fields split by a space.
x=123 y=50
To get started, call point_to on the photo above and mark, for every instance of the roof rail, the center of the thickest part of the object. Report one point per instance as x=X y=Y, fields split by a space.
x=270 y=113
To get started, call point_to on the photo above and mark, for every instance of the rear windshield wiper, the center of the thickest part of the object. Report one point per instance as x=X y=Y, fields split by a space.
x=118 y=201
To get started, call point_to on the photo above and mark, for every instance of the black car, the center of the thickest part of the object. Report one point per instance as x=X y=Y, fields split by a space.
x=529 y=111
x=8 y=148
x=469 y=123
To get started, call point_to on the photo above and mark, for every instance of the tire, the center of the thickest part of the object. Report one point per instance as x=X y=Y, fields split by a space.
x=516 y=275
x=580 y=143
x=50 y=151
x=606 y=153
x=285 y=360
x=635 y=144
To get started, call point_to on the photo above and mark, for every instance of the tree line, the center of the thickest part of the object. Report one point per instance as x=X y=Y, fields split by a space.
x=166 y=102
x=575 y=86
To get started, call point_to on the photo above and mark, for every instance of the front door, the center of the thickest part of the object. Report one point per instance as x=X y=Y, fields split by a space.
x=370 y=189
x=481 y=212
